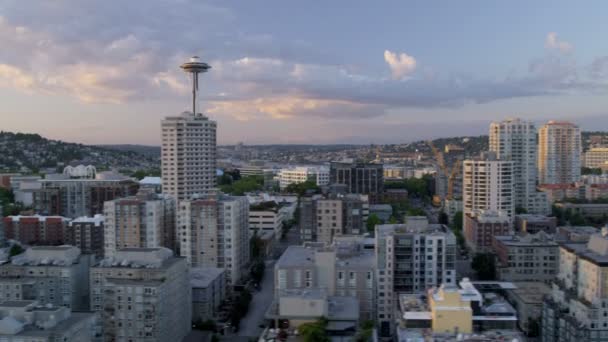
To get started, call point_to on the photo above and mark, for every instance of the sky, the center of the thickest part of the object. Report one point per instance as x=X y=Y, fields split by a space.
x=300 y=72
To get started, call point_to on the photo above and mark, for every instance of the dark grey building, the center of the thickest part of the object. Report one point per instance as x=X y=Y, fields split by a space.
x=359 y=178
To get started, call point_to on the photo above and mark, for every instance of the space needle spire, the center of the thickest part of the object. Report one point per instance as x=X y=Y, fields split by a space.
x=195 y=67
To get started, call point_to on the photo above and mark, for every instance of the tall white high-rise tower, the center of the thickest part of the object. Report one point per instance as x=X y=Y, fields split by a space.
x=559 y=153
x=188 y=153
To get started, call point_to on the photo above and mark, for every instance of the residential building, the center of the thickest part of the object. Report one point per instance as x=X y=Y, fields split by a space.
x=36 y=229
x=488 y=185
x=530 y=257
x=451 y=206
x=208 y=292
x=532 y=224
x=213 y=231
x=301 y=174
x=344 y=269
x=591 y=210
x=527 y=298
x=576 y=309
x=480 y=229
x=575 y=233
x=87 y=233
x=29 y=321
x=188 y=155
x=59 y=195
x=153 y=184
x=323 y=218
x=142 y=294
x=359 y=178
x=55 y=275
x=411 y=258
x=559 y=153
x=266 y=217
x=515 y=140
x=595 y=157
x=143 y=221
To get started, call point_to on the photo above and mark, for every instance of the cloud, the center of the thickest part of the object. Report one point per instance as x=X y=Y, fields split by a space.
x=401 y=64
x=552 y=42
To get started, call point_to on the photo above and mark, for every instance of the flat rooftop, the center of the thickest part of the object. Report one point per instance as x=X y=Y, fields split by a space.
x=201 y=277
x=297 y=256
x=530 y=292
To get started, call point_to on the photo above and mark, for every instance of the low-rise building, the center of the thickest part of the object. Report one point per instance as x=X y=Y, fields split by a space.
x=480 y=229
x=208 y=292
x=592 y=210
x=595 y=157
x=527 y=299
x=530 y=223
x=142 y=294
x=382 y=211
x=265 y=217
x=530 y=257
x=317 y=174
x=28 y=321
x=575 y=233
x=55 y=275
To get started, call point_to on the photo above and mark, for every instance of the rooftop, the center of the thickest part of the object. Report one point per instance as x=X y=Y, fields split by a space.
x=530 y=292
x=140 y=258
x=48 y=255
x=297 y=256
x=201 y=277
x=539 y=239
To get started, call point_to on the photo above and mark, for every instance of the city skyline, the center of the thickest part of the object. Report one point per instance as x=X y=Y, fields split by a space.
x=386 y=74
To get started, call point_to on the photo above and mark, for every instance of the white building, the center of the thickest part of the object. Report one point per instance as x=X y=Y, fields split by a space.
x=596 y=157
x=488 y=185
x=142 y=294
x=301 y=174
x=214 y=232
x=55 y=275
x=29 y=321
x=188 y=155
x=559 y=153
x=142 y=221
x=515 y=140
x=411 y=258
x=266 y=220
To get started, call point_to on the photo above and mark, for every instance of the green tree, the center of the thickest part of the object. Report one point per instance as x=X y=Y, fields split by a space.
x=255 y=244
x=315 y=331
x=372 y=221
x=443 y=218
x=302 y=188
x=257 y=271
x=520 y=210
x=243 y=185
x=457 y=221
x=415 y=212
x=393 y=220
x=577 y=220
x=16 y=249
x=533 y=327
x=365 y=332
x=484 y=266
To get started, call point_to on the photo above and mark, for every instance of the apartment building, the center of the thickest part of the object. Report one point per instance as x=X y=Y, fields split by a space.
x=529 y=257
x=515 y=140
x=480 y=229
x=29 y=321
x=301 y=174
x=55 y=275
x=559 y=153
x=71 y=197
x=596 y=157
x=265 y=218
x=208 y=291
x=213 y=231
x=344 y=269
x=142 y=294
x=577 y=308
x=188 y=155
x=488 y=185
x=36 y=229
x=87 y=233
x=146 y=220
x=411 y=258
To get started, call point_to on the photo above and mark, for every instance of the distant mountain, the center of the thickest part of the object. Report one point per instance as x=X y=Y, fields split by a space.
x=22 y=151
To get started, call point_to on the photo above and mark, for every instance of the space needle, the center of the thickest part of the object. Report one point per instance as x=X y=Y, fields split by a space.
x=195 y=67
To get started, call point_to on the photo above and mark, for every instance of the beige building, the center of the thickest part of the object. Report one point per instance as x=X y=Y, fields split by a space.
x=450 y=310
x=213 y=231
x=28 y=321
x=55 y=275
x=559 y=153
x=143 y=221
x=344 y=269
x=188 y=155
x=596 y=157
x=142 y=294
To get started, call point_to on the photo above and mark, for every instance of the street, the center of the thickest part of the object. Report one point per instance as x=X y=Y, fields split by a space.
x=249 y=326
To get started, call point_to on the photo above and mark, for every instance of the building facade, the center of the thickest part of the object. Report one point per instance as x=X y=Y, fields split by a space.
x=318 y=174
x=488 y=185
x=596 y=157
x=188 y=155
x=559 y=153
x=515 y=140
x=208 y=292
x=359 y=178
x=142 y=221
x=530 y=257
x=87 y=233
x=142 y=294
x=55 y=275
x=213 y=231
x=36 y=229
x=480 y=229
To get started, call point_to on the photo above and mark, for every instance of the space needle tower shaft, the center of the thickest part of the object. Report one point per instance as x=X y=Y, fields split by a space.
x=195 y=67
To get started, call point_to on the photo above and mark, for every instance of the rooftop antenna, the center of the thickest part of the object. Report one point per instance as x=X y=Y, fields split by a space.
x=195 y=67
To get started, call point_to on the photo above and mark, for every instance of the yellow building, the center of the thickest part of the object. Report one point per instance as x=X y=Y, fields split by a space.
x=450 y=312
